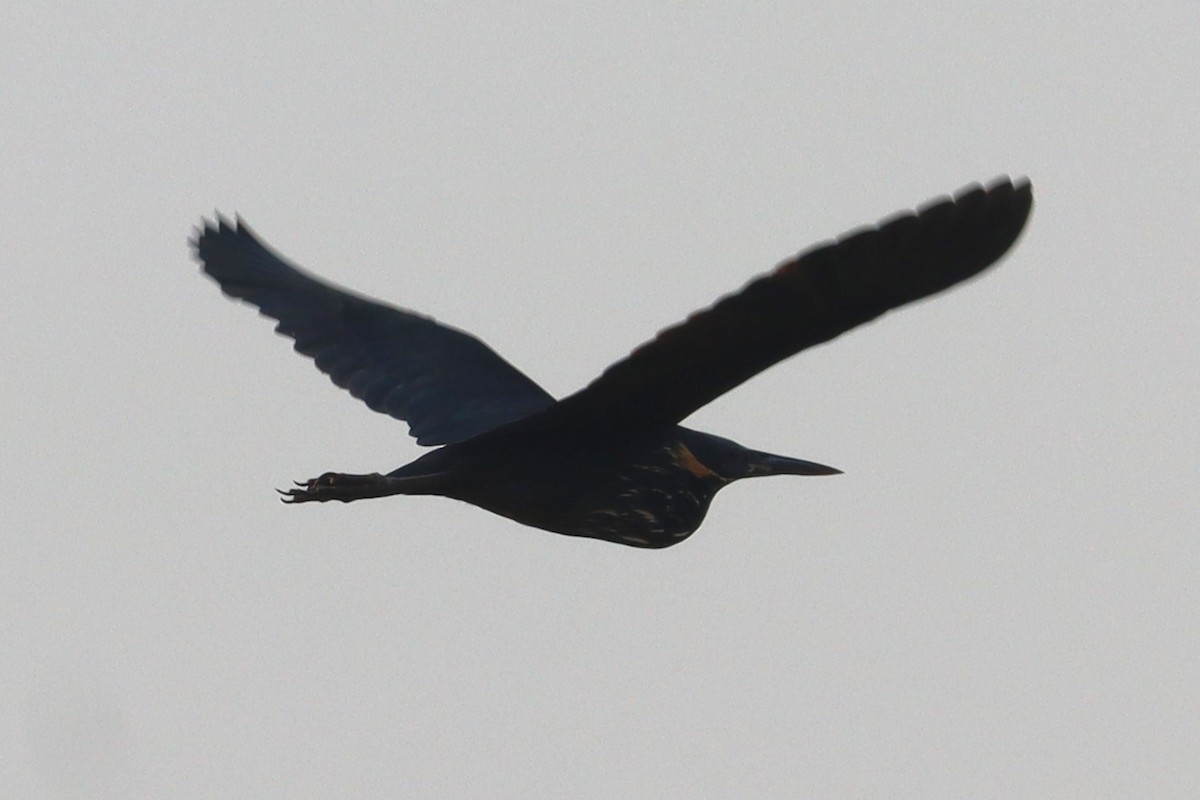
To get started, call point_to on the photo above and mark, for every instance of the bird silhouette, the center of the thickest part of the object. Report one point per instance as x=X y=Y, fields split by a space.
x=610 y=461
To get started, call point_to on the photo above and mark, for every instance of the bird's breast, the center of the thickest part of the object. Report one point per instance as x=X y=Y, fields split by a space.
x=648 y=507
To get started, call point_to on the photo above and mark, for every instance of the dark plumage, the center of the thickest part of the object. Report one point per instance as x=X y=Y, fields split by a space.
x=610 y=461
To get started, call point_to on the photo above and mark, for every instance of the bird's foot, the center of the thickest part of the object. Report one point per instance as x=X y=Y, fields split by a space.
x=333 y=486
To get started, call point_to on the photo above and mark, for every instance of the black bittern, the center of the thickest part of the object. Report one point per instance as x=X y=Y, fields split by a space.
x=610 y=461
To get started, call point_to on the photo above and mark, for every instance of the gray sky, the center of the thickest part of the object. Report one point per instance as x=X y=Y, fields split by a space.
x=998 y=599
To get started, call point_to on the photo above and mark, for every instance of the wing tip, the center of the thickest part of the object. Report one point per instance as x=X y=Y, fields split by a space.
x=1002 y=187
x=1015 y=193
x=220 y=227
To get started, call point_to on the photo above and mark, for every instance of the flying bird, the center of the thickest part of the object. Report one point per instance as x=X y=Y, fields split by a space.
x=610 y=461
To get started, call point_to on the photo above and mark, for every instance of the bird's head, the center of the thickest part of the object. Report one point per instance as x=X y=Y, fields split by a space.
x=729 y=461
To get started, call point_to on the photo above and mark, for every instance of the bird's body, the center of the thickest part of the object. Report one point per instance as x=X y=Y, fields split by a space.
x=648 y=493
x=610 y=461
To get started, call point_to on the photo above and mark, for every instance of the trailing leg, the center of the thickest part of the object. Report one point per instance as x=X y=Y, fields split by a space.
x=347 y=487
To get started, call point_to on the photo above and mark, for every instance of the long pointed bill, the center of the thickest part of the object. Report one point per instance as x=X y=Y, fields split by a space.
x=769 y=464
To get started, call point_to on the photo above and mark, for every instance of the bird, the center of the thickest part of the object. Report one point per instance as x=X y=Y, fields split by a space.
x=611 y=461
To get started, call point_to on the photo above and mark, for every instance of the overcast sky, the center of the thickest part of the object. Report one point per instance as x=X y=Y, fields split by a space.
x=998 y=599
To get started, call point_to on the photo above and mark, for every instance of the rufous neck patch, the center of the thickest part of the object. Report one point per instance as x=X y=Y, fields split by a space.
x=687 y=459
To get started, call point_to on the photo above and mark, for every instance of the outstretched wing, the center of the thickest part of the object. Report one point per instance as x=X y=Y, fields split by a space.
x=826 y=290
x=445 y=383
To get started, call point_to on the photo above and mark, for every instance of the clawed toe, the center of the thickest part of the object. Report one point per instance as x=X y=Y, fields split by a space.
x=307 y=491
x=300 y=495
x=330 y=486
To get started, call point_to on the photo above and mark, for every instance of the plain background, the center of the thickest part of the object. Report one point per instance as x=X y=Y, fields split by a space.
x=998 y=599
